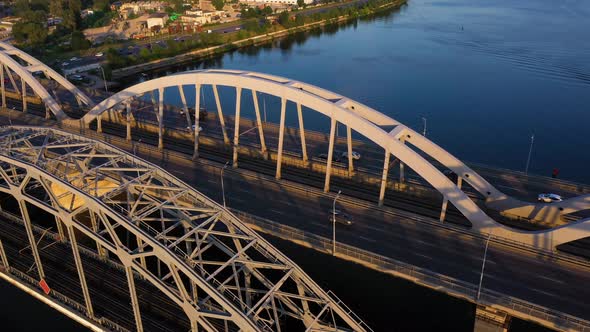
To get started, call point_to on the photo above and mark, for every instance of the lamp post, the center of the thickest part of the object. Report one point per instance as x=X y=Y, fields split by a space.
x=334 y=224
x=424 y=126
x=528 y=161
x=104 y=79
x=483 y=265
x=222 y=188
x=135 y=147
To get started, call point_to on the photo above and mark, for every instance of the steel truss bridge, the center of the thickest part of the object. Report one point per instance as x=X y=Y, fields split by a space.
x=397 y=140
x=163 y=231
x=220 y=273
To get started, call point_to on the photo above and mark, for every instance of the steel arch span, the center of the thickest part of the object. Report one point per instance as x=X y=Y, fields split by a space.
x=219 y=272
x=11 y=59
x=369 y=123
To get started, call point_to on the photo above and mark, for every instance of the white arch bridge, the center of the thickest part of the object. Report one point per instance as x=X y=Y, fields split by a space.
x=198 y=256
x=413 y=150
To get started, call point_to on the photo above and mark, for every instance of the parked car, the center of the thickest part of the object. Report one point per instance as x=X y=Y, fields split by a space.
x=549 y=198
x=324 y=156
x=99 y=54
x=355 y=155
x=341 y=217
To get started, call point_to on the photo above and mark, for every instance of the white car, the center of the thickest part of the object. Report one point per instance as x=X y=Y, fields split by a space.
x=99 y=54
x=355 y=155
x=549 y=198
x=193 y=128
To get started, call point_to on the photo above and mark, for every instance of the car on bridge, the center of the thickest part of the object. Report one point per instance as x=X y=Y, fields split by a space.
x=324 y=156
x=549 y=198
x=355 y=155
x=341 y=217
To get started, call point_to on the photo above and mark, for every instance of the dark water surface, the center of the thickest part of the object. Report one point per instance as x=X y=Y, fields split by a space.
x=486 y=74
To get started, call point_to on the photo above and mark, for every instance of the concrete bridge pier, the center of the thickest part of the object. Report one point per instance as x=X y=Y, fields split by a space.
x=488 y=319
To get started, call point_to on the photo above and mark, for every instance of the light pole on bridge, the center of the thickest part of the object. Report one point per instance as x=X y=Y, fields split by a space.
x=424 y=126
x=334 y=224
x=104 y=79
x=528 y=161
x=483 y=265
x=222 y=188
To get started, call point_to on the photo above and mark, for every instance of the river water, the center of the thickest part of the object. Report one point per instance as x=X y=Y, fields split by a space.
x=485 y=74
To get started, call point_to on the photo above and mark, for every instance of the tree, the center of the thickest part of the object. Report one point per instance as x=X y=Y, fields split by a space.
x=218 y=4
x=31 y=29
x=300 y=3
x=284 y=19
x=79 y=41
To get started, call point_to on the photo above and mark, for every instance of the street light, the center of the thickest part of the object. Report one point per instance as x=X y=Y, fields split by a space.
x=334 y=224
x=528 y=161
x=104 y=79
x=222 y=188
x=424 y=126
x=483 y=265
x=135 y=147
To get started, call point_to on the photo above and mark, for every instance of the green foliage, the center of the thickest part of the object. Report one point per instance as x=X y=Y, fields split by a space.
x=301 y=3
x=99 y=19
x=218 y=4
x=78 y=41
x=101 y=5
x=30 y=30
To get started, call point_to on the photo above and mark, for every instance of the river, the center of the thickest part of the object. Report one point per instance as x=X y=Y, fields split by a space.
x=484 y=74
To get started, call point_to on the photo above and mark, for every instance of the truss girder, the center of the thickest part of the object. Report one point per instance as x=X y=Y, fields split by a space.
x=208 y=262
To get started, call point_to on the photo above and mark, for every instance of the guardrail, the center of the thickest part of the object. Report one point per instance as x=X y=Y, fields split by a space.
x=421 y=276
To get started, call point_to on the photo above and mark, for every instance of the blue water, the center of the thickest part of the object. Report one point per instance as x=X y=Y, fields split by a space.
x=485 y=74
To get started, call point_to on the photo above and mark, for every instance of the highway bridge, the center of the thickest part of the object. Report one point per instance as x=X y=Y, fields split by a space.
x=431 y=210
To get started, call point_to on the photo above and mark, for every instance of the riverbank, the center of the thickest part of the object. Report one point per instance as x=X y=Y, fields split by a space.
x=246 y=42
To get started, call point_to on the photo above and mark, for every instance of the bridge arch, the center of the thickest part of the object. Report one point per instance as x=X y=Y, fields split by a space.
x=370 y=124
x=7 y=52
x=81 y=179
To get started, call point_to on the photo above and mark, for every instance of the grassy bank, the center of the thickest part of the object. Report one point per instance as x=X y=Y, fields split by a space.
x=219 y=44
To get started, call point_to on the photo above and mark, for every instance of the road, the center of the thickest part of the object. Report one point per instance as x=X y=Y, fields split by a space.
x=108 y=285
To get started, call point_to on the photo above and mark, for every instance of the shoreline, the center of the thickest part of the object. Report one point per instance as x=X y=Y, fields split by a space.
x=247 y=42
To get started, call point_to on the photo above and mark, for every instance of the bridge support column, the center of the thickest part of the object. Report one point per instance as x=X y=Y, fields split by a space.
x=459 y=181
x=161 y=118
x=4 y=258
x=490 y=320
x=259 y=124
x=302 y=134
x=443 y=210
x=220 y=114
x=349 y=151
x=384 y=177
x=281 y=136
x=101 y=251
x=197 y=120
x=134 y=301
x=32 y=242
x=81 y=275
x=24 y=94
x=185 y=106
x=128 y=120
x=330 y=154
x=237 y=127
x=99 y=123
x=2 y=85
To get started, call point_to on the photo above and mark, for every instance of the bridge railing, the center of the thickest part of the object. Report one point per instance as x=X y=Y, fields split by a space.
x=421 y=276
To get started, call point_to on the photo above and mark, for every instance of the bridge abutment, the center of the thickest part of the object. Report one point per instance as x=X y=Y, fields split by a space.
x=488 y=319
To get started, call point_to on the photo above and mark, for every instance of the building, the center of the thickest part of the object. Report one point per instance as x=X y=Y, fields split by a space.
x=196 y=12
x=157 y=19
x=284 y=2
x=140 y=7
x=86 y=12
x=195 y=19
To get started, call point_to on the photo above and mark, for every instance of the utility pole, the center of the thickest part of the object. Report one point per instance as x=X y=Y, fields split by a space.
x=222 y=188
x=334 y=224
x=528 y=161
x=483 y=265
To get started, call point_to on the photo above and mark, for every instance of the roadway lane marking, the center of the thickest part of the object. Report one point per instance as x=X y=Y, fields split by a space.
x=367 y=239
x=551 y=279
x=421 y=255
x=544 y=292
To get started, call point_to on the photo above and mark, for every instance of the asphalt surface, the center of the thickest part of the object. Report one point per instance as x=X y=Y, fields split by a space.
x=554 y=284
